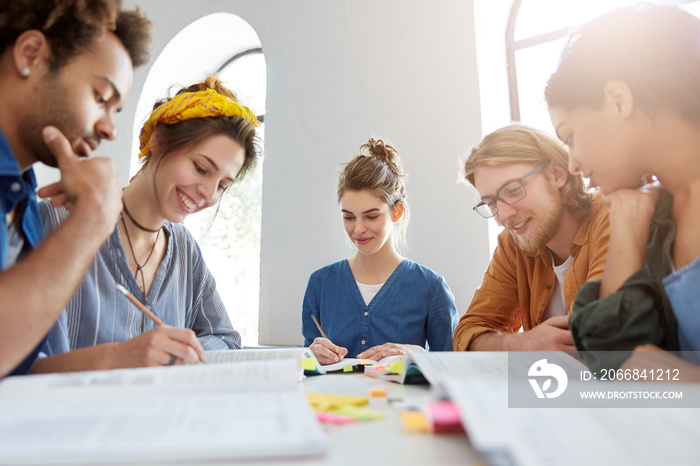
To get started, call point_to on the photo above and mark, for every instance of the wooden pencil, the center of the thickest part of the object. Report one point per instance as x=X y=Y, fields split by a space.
x=148 y=311
x=319 y=326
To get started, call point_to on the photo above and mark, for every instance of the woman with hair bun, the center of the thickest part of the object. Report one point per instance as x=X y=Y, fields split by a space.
x=194 y=147
x=376 y=303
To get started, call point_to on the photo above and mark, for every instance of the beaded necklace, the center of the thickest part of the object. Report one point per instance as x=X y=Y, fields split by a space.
x=139 y=267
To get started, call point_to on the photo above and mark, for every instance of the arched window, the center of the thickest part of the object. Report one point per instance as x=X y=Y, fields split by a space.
x=230 y=242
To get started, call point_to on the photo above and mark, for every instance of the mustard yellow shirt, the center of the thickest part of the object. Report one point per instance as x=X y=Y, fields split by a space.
x=517 y=286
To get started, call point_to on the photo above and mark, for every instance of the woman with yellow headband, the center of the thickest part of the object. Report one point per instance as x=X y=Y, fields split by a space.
x=193 y=148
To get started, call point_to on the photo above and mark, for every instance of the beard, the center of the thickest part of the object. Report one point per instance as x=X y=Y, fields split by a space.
x=50 y=105
x=548 y=223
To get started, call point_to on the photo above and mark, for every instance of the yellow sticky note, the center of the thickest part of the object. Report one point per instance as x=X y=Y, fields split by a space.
x=414 y=421
x=396 y=367
x=364 y=362
x=308 y=364
x=347 y=368
x=331 y=401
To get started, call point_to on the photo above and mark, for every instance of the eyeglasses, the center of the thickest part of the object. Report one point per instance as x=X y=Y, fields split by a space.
x=510 y=194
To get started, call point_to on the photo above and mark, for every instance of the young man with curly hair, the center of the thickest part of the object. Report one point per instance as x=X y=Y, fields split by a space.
x=65 y=69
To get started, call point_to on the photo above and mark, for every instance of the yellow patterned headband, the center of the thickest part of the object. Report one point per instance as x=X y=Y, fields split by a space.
x=189 y=105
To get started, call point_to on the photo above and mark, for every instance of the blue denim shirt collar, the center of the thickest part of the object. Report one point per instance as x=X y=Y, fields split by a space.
x=17 y=189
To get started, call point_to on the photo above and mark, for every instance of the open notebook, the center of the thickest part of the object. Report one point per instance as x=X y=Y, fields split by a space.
x=303 y=356
x=158 y=415
x=430 y=367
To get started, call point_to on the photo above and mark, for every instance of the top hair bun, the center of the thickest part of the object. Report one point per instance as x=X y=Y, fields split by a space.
x=389 y=155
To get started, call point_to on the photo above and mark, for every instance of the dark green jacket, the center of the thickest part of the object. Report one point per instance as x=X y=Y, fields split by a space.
x=607 y=330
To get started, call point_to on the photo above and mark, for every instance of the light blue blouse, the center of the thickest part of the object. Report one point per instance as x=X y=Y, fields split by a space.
x=683 y=290
x=415 y=306
x=183 y=294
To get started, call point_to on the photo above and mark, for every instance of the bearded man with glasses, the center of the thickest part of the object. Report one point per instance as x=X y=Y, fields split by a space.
x=554 y=239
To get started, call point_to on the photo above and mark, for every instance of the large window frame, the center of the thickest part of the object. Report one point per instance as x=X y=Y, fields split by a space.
x=514 y=45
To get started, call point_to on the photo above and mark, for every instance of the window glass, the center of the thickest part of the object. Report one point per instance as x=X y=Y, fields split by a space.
x=536 y=60
x=537 y=17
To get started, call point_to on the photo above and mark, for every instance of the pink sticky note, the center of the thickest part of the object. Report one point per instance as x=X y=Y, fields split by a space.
x=334 y=418
x=445 y=417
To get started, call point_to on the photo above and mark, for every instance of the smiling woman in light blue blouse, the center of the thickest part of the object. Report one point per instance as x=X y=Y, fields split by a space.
x=376 y=303
x=194 y=146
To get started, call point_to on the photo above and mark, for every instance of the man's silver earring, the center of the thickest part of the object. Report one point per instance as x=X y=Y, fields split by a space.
x=26 y=71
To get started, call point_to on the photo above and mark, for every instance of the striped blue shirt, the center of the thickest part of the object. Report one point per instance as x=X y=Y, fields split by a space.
x=183 y=294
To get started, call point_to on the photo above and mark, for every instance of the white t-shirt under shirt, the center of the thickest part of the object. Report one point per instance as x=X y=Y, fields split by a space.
x=557 y=303
x=368 y=291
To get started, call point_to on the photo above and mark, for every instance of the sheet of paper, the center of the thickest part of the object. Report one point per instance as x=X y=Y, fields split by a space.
x=436 y=364
x=164 y=414
x=574 y=436
x=565 y=360
x=267 y=354
x=277 y=375
x=164 y=428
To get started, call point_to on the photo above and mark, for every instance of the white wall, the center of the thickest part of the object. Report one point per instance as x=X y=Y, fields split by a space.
x=339 y=72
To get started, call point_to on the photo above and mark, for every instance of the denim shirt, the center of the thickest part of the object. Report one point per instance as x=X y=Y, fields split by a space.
x=17 y=190
x=683 y=292
x=414 y=306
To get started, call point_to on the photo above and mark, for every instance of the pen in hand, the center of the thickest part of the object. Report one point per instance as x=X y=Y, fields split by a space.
x=147 y=311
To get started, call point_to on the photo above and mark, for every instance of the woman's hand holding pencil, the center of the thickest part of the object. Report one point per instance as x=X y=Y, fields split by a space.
x=161 y=346
x=325 y=351
x=164 y=345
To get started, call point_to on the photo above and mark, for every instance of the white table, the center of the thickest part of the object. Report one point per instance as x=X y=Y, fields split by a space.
x=383 y=441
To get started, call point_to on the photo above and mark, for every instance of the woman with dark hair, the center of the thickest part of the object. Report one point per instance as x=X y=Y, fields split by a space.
x=194 y=147
x=626 y=100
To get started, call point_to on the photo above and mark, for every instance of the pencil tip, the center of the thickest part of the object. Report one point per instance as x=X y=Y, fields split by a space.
x=122 y=289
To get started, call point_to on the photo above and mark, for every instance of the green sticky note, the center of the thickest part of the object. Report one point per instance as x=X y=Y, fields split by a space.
x=347 y=368
x=396 y=367
x=308 y=364
x=361 y=414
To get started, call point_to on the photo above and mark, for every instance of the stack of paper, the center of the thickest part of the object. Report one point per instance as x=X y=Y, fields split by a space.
x=163 y=414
